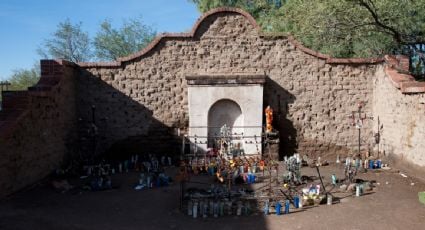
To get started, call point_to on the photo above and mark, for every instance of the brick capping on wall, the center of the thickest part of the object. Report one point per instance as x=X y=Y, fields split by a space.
x=13 y=112
x=191 y=34
x=397 y=71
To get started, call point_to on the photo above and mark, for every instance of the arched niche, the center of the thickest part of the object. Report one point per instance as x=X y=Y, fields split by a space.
x=224 y=112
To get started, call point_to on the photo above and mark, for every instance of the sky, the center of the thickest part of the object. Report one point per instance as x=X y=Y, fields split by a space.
x=25 y=24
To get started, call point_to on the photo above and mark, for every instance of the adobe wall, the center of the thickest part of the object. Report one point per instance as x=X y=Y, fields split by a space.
x=399 y=102
x=140 y=100
x=43 y=134
x=144 y=96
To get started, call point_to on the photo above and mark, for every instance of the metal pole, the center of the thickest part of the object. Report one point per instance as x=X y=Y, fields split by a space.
x=379 y=136
x=321 y=181
x=183 y=146
x=93 y=108
x=359 y=142
x=360 y=117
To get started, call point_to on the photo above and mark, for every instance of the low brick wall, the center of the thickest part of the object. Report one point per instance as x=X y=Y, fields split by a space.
x=43 y=134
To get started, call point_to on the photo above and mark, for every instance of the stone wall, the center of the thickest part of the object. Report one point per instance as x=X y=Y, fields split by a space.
x=402 y=119
x=41 y=136
x=135 y=104
x=144 y=96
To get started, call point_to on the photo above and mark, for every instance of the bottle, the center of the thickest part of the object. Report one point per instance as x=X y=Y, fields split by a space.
x=296 y=201
x=266 y=208
x=189 y=208
x=286 y=206
x=216 y=211
x=358 y=192
x=333 y=179
x=205 y=210
x=300 y=204
x=247 y=208
x=278 y=208
x=229 y=208
x=148 y=182
x=195 y=210
x=329 y=199
x=211 y=208
x=371 y=164
x=221 y=208
x=239 y=208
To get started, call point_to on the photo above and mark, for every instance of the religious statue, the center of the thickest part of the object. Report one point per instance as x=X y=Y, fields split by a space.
x=269 y=119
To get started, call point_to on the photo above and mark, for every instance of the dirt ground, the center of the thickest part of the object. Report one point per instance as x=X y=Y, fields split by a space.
x=393 y=204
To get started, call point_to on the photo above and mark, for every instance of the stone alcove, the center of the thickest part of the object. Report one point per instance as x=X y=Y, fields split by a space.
x=234 y=100
x=225 y=112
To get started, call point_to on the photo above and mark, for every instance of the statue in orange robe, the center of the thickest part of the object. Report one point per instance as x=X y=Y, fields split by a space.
x=269 y=119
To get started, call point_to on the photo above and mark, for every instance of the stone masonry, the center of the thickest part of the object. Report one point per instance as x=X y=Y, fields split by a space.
x=44 y=134
x=136 y=103
x=311 y=94
x=402 y=122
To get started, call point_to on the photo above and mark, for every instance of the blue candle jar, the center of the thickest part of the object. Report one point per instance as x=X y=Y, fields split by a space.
x=286 y=206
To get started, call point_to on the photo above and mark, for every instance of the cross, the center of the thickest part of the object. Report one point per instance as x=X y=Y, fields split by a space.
x=357 y=118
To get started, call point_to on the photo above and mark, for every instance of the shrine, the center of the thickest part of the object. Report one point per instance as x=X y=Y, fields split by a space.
x=227 y=106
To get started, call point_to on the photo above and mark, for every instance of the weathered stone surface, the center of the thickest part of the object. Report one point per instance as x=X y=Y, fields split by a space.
x=311 y=98
x=44 y=137
x=138 y=102
x=401 y=119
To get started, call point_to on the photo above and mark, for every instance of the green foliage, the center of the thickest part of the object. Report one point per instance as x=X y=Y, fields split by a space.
x=343 y=28
x=356 y=28
x=111 y=43
x=71 y=43
x=21 y=79
x=266 y=12
x=68 y=42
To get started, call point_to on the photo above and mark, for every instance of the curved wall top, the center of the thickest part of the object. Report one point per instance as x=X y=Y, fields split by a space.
x=119 y=62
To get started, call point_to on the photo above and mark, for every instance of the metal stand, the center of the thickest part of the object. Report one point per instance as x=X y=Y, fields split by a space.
x=357 y=118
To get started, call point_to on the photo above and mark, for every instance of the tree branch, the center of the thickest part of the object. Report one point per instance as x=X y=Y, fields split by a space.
x=370 y=7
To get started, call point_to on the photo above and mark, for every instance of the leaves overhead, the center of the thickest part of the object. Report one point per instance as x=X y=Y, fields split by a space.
x=356 y=28
x=266 y=12
x=341 y=28
x=111 y=43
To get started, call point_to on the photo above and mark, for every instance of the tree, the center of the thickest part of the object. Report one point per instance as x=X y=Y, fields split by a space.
x=344 y=28
x=68 y=42
x=356 y=27
x=21 y=79
x=266 y=12
x=360 y=28
x=111 y=43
